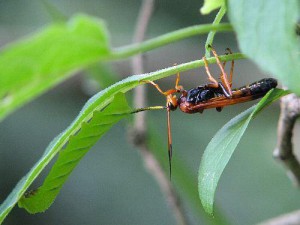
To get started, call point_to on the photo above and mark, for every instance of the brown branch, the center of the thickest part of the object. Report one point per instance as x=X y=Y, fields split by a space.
x=284 y=152
x=138 y=133
x=292 y=218
x=137 y=68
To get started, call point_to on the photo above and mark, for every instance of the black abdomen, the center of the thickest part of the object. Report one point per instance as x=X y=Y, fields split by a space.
x=259 y=87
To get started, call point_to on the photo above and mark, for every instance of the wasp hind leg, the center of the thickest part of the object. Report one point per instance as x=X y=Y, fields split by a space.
x=214 y=83
x=226 y=84
x=231 y=68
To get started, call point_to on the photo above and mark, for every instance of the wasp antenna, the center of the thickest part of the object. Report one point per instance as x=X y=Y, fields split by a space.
x=148 y=108
x=169 y=141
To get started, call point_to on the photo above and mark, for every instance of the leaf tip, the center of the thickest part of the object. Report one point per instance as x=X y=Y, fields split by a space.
x=210 y=5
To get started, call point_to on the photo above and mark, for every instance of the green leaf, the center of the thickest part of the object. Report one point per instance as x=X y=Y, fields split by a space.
x=97 y=103
x=210 y=5
x=73 y=144
x=78 y=145
x=32 y=66
x=266 y=32
x=221 y=147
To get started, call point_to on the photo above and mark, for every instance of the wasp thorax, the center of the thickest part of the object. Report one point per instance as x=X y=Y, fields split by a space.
x=200 y=94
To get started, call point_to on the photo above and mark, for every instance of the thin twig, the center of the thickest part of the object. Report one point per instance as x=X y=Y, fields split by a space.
x=292 y=218
x=165 y=39
x=290 y=111
x=138 y=135
x=137 y=68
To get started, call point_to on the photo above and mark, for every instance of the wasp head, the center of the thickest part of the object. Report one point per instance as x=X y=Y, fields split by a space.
x=172 y=102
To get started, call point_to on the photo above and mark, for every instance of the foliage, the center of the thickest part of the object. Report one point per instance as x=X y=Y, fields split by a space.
x=210 y=5
x=275 y=46
x=222 y=146
x=96 y=103
x=35 y=64
x=77 y=145
x=38 y=63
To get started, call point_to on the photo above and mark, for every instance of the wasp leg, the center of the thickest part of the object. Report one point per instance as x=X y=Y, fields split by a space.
x=177 y=86
x=219 y=109
x=165 y=93
x=224 y=90
x=214 y=83
x=231 y=68
x=228 y=51
x=223 y=77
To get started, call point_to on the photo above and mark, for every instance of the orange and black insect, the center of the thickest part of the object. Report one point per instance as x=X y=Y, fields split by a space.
x=211 y=95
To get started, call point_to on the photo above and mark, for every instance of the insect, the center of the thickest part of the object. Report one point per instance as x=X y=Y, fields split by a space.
x=213 y=94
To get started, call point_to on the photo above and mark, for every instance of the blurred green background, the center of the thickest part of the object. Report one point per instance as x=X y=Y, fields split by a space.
x=110 y=185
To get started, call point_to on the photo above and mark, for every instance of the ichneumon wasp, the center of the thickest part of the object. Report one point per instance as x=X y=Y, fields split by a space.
x=213 y=94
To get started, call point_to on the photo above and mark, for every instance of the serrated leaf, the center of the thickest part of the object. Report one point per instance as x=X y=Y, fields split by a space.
x=32 y=66
x=221 y=147
x=77 y=146
x=74 y=142
x=266 y=32
x=210 y=5
x=97 y=102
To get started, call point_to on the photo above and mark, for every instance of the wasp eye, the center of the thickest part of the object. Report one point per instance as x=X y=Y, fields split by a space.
x=171 y=106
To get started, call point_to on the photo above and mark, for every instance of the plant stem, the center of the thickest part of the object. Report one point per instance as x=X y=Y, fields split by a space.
x=292 y=218
x=284 y=152
x=139 y=132
x=191 y=65
x=211 y=34
x=130 y=50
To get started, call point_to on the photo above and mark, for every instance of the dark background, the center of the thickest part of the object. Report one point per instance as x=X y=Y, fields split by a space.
x=110 y=185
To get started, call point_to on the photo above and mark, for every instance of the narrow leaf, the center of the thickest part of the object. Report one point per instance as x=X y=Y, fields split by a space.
x=32 y=66
x=266 y=32
x=221 y=147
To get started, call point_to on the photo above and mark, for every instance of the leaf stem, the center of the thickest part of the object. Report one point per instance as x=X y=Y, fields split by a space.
x=211 y=34
x=190 y=65
x=130 y=50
